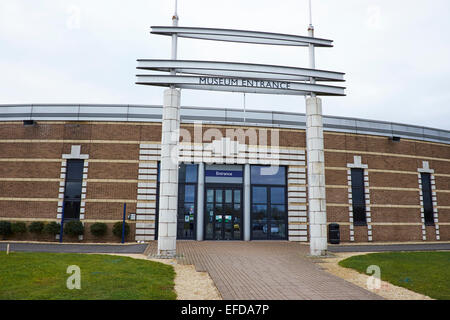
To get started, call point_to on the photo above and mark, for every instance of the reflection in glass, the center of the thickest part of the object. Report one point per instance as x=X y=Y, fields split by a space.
x=268 y=213
x=219 y=196
x=237 y=196
x=187 y=173
x=189 y=194
x=223 y=214
x=259 y=195
x=72 y=210
x=210 y=195
x=268 y=175
x=74 y=171
x=228 y=196
x=187 y=190
x=72 y=190
x=277 y=195
x=191 y=173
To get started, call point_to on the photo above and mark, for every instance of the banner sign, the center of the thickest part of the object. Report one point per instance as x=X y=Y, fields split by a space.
x=223 y=173
x=244 y=83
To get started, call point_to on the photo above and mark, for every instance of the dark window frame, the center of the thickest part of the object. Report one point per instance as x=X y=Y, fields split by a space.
x=223 y=187
x=158 y=169
x=181 y=201
x=73 y=177
x=358 y=197
x=427 y=196
x=269 y=206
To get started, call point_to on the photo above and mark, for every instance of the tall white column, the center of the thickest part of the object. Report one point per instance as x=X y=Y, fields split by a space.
x=168 y=196
x=200 y=201
x=316 y=177
x=247 y=226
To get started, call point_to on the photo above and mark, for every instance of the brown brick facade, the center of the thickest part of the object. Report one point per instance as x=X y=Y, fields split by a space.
x=31 y=157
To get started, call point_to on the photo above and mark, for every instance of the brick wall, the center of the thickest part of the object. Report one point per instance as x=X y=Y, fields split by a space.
x=30 y=168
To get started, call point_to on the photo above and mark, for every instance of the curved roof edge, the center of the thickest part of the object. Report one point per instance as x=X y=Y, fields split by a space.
x=222 y=116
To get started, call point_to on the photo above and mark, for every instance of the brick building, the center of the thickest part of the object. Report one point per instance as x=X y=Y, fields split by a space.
x=238 y=171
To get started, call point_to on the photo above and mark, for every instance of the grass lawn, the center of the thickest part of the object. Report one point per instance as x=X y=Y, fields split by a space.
x=30 y=276
x=427 y=273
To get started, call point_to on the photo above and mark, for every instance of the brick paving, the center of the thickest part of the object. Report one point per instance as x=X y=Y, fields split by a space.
x=265 y=271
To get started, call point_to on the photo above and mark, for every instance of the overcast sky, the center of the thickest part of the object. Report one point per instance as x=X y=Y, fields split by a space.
x=395 y=53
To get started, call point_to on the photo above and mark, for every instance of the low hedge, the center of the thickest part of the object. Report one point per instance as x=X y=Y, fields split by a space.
x=5 y=228
x=36 y=227
x=52 y=228
x=99 y=229
x=18 y=227
x=73 y=228
x=117 y=229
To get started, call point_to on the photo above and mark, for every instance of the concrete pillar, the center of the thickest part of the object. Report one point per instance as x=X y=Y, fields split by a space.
x=247 y=226
x=200 y=201
x=316 y=177
x=168 y=195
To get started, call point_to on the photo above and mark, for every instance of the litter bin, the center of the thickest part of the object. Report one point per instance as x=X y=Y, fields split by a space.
x=334 y=235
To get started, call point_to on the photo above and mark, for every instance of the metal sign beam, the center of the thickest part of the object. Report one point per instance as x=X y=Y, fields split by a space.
x=255 y=37
x=239 y=85
x=240 y=70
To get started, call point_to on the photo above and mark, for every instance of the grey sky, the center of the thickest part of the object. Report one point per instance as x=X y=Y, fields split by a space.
x=395 y=53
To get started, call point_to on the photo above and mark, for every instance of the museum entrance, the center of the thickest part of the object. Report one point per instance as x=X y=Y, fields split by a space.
x=223 y=212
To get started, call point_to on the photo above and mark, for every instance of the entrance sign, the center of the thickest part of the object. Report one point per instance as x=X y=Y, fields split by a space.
x=246 y=78
x=240 y=85
x=223 y=173
x=240 y=77
x=243 y=70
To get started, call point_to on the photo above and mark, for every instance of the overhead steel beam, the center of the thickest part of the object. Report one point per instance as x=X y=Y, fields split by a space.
x=230 y=35
x=239 y=85
x=241 y=70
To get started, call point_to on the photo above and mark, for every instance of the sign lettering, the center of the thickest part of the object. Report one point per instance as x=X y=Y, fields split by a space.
x=237 y=82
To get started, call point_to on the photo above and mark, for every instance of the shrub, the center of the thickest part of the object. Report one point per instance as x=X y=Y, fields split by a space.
x=36 y=227
x=18 y=227
x=99 y=229
x=74 y=228
x=5 y=228
x=53 y=228
x=117 y=229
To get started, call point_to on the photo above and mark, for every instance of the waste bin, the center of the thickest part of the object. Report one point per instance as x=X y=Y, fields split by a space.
x=334 y=235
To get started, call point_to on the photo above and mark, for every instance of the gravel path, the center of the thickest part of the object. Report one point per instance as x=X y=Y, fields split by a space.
x=386 y=290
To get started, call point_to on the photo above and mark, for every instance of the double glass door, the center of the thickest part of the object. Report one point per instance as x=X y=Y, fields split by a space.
x=223 y=214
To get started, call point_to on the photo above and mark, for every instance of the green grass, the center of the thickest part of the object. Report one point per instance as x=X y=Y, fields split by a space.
x=427 y=273
x=30 y=276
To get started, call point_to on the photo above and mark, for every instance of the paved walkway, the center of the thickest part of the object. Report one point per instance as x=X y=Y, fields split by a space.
x=73 y=248
x=265 y=271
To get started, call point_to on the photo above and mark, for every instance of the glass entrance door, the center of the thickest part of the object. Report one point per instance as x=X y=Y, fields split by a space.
x=223 y=214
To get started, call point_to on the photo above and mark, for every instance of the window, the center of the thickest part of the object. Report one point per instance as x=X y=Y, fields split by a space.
x=157 y=200
x=268 y=210
x=268 y=175
x=358 y=198
x=187 y=196
x=73 y=187
x=427 y=199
